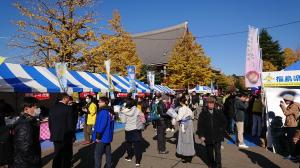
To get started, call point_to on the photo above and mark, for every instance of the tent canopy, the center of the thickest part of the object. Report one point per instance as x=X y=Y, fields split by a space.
x=201 y=89
x=295 y=66
x=24 y=78
x=163 y=89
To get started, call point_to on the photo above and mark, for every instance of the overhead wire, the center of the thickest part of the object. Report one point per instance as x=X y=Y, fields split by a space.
x=204 y=36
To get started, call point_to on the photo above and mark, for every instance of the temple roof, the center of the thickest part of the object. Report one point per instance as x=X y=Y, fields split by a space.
x=155 y=47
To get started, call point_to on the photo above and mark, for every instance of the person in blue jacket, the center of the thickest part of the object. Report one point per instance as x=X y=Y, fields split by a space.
x=103 y=133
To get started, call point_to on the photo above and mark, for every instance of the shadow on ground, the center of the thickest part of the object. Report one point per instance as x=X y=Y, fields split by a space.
x=121 y=150
x=47 y=159
x=259 y=159
x=86 y=157
x=201 y=152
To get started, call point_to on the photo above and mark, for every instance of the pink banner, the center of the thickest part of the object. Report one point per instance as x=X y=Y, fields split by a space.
x=253 y=59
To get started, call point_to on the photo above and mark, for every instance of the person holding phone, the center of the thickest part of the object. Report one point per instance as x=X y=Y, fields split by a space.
x=241 y=105
x=291 y=111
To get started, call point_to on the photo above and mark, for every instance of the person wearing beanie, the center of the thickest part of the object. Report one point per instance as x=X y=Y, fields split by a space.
x=291 y=111
x=211 y=129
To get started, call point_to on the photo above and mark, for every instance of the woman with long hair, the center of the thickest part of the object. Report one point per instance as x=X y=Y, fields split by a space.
x=185 y=145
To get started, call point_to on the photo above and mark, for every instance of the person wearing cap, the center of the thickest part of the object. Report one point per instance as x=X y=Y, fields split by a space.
x=291 y=111
x=211 y=129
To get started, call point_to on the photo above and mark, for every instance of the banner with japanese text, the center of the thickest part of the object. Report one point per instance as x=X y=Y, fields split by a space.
x=253 y=67
x=281 y=78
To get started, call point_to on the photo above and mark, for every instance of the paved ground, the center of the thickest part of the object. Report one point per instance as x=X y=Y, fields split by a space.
x=232 y=157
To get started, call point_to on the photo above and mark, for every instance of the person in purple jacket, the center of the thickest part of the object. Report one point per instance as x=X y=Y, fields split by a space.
x=103 y=133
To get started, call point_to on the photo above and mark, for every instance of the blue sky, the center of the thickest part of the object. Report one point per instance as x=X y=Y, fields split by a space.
x=205 y=17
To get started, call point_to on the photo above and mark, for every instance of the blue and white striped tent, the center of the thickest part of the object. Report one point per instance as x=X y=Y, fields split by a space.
x=201 y=89
x=163 y=89
x=23 y=78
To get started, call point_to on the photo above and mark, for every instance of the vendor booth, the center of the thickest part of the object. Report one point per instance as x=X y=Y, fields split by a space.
x=275 y=86
x=201 y=89
x=18 y=81
x=163 y=89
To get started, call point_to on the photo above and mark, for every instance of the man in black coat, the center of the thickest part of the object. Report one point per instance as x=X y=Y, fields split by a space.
x=229 y=111
x=27 y=148
x=61 y=131
x=161 y=124
x=211 y=130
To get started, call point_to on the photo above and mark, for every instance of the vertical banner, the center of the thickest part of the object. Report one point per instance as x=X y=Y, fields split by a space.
x=253 y=59
x=212 y=87
x=151 y=79
x=110 y=84
x=61 y=73
x=131 y=76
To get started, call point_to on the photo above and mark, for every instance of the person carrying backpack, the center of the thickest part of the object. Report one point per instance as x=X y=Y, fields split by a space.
x=158 y=108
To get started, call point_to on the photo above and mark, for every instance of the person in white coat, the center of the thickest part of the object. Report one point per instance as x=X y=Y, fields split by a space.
x=133 y=136
x=185 y=145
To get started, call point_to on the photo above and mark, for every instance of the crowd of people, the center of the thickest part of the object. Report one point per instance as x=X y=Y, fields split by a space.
x=216 y=117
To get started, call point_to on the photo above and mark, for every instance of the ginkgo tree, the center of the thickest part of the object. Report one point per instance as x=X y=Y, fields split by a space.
x=54 y=31
x=119 y=47
x=188 y=64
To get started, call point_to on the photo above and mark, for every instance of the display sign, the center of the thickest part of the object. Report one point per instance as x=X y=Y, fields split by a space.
x=281 y=78
x=84 y=94
x=39 y=96
x=131 y=76
x=151 y=79
x=61 y=73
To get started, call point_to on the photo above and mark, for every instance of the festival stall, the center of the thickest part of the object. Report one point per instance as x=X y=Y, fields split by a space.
x=163 y=89
x=275 y=86
x=18 y=81
x=201 y=89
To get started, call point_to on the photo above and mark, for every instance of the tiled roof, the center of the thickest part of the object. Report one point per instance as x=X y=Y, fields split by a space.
x=155 y=47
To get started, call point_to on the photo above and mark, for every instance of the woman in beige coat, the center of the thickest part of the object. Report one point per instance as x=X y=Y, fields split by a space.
x=291 y=111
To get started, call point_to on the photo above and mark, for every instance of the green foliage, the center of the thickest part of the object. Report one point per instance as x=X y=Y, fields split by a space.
x=271 y=50
x=145 y=69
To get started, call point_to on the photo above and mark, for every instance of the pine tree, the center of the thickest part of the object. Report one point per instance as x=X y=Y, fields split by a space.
x=271 y=50
x=119 y=47
x=188 y=65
